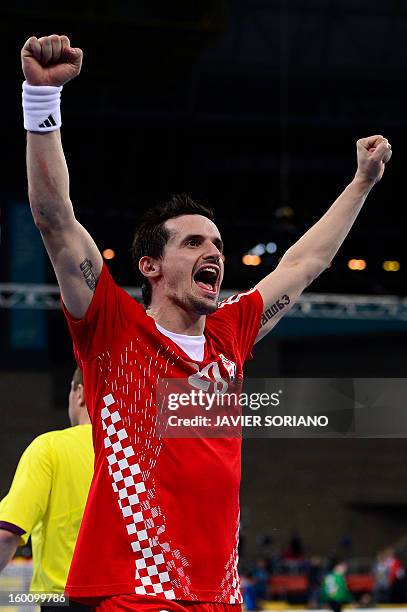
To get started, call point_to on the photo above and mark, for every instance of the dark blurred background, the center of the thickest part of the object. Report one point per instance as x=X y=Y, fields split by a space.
x=253 y=106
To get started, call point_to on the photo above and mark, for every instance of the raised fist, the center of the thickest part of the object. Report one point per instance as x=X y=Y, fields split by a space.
x=50 y=60
x=373 y=154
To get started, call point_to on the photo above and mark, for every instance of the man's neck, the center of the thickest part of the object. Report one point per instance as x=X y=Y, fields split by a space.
x=84 y=421
x=178 y=321
x=82 y=418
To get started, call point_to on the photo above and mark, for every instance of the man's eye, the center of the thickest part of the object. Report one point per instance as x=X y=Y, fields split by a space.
x=192 y=242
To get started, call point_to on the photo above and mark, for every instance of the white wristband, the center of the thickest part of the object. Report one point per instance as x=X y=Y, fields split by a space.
x=41 y=106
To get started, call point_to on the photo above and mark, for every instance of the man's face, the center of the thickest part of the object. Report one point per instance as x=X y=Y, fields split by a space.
x=192 y=264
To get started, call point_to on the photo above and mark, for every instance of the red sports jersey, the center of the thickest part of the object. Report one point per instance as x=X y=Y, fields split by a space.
x=162 y=515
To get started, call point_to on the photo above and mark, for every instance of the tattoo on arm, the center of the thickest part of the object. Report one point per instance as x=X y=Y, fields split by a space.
x=87 y=271
x=274 y=309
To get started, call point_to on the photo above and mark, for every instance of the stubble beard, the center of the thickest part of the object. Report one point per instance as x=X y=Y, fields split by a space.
x=204 y=307
x=194 y=304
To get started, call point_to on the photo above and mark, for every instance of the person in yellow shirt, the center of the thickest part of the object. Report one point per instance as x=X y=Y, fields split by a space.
x=47 y=498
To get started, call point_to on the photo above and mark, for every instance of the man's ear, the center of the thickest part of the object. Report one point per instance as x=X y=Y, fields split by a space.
x=81 y=393
x=149 y=267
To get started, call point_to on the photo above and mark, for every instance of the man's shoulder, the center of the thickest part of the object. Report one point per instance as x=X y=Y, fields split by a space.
x=236 y=299
x=233 y=306
x=45 y=438
x=107 y=285
x=129 y=304
x=52 y=438
x=61 y=444
x=41 y=448
x=77 y=432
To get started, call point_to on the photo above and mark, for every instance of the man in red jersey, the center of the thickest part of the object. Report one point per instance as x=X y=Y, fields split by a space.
x=161 y=523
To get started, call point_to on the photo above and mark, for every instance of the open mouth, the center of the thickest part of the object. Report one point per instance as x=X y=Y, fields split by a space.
x=207 y=278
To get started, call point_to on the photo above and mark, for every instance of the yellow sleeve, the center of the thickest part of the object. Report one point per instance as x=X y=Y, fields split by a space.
x=27 y=500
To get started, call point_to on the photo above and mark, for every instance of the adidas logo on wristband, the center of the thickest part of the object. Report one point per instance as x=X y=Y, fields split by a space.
x=49 y=122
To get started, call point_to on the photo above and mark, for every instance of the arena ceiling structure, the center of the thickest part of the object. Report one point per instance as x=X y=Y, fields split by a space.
x=253 y=106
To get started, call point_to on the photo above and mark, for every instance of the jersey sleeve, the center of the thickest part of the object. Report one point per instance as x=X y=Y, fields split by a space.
x=106 y=315
x=240 y=315
x=26 y=502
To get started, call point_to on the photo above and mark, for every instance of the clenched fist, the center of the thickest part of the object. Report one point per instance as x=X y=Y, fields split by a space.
x=50 y=60
x=373 y=154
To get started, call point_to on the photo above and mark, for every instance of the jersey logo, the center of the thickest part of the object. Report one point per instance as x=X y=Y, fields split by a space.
x=209 y=375
x=230 y=367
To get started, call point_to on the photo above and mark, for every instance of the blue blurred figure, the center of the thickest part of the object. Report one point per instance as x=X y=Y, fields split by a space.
x=249 y=591
x=261 y=575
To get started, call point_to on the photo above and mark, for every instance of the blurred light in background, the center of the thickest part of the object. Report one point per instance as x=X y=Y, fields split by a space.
x=391 y=266
x=357 y=264
x=259 y=249
x=108 y=254
x=271 y=247
x=284 y=212
x=251 y=260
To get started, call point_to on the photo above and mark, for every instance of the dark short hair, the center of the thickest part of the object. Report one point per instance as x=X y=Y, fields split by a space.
x=77 y=378
x=152 y=236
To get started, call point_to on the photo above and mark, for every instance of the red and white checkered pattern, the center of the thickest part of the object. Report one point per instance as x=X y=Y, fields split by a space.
x=144 y=521
x=230 y=584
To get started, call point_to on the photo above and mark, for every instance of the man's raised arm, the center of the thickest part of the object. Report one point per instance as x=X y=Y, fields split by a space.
x=314 y=251
x=48 y=63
